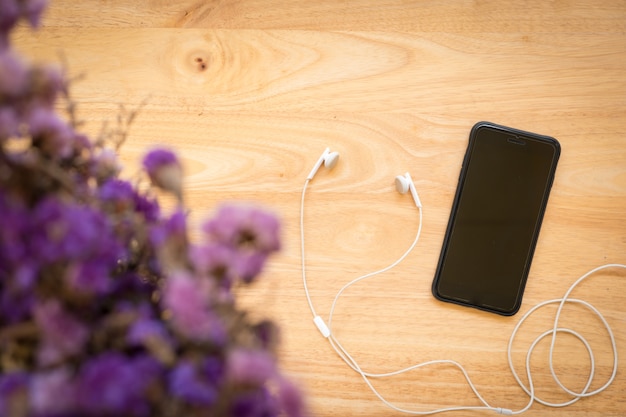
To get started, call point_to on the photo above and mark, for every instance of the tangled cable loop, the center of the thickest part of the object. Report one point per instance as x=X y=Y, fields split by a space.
x=553 y=333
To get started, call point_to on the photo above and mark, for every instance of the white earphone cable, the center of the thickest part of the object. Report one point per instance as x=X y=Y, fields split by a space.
x=326 y=330
x=306 y=287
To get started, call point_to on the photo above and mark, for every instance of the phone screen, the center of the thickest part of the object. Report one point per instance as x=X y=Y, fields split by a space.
x=494 y=224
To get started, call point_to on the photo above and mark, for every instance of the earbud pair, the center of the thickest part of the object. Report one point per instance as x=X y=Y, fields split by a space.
x=404 y=183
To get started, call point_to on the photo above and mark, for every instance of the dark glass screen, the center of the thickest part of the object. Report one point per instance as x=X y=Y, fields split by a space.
x=502 y=193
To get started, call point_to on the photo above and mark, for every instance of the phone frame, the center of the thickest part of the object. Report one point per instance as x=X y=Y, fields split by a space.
x=515 y=133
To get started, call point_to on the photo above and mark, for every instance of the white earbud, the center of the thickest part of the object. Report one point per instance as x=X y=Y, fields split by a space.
x=328 y=158
x=405 y=183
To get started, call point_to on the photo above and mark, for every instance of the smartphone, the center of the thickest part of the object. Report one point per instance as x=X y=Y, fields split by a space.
x=495 y=219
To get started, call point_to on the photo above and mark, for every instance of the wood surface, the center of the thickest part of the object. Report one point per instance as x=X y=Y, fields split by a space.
x=250 y=92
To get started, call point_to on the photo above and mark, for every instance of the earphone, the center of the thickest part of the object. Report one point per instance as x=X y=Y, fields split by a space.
x=328 y=158
x=403 y=184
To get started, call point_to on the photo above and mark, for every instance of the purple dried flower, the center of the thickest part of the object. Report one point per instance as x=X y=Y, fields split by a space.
x=252 y=233
x=154 y=337
x=247 y=366
x=267 y=334
x=12 y=386
x=118 y=194
x=17 y=287
x=13 y=72
x=50 y=134
x=52 y=393
x=90 y=277
x=112 y=384
x=213 y=261
x=144 y=329
x=46 y=83
x=15 y=305
x=245 y=228
x=169 y=240
x=214 y=266
x=9 y=123
x=164 y=170
x=105 y=165
x=14 y=226
x=173 y=229
x=158 y=158
x=290 y=398
x=148 y=208
x=79 y=236
x=32 y=11
x=249 y=265
x=62 y=334
x=188 y=304
x=196 y=385
x=10 y=14
x=256 y=403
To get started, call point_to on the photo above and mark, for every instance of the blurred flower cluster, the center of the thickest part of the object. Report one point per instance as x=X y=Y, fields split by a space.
x=106 y=306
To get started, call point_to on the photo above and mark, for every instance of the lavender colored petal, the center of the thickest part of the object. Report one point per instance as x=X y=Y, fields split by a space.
x=258 y=403
x=53 y=392
x=186 y=383
x=245 y=228
x=63 y=335
x=250 y=366
x=191 y=316
x=112 y=384
x=12 y=385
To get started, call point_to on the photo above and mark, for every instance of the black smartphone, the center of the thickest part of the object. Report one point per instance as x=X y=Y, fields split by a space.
x=495 y=219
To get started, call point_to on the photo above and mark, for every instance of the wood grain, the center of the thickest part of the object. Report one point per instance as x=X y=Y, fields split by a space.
x=250 y=92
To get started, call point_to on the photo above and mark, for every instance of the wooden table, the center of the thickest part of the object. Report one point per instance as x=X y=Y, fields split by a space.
x=250 y=92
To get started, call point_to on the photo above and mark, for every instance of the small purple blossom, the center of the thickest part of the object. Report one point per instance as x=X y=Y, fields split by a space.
x=89 y=277
x=117 y=192
x=247 y=366
x=143 y=329
x=152 y=335
x=213 y=261
x=195 y=384
x=245 y=228
x=9 y=16
x=17 y=287
x=164 y=170
x=105 y=165
x=13 y=73
x=256 y=403
x=50 y=134
x=157 y=159
x=62 y=334
x=13 y=391
x=250 y=232
x=46 y=83
x=112 y=384
x=53 y=392
x=290 y=398
x=249 y=265
x=172 y=229
x=32 y=11
x=13 y=10
x=14 y=225
x=77 y=235
x=9 y=123
x=147 y=207
x=188 y=304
